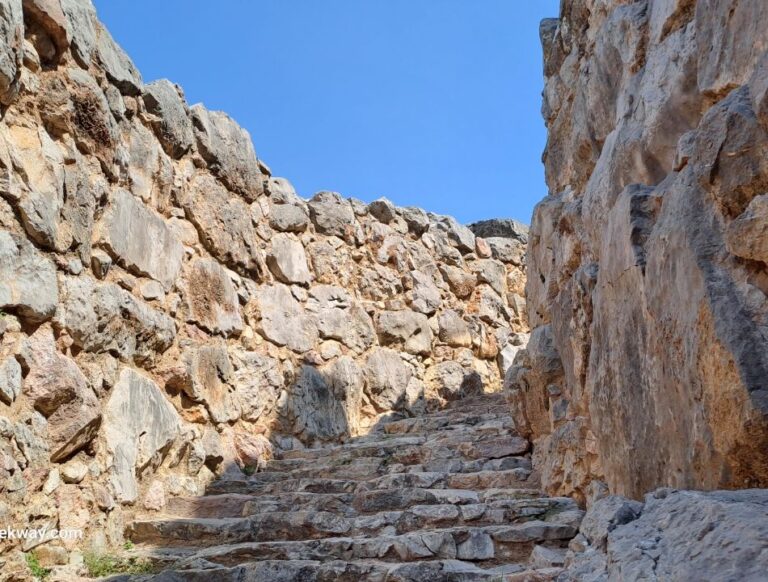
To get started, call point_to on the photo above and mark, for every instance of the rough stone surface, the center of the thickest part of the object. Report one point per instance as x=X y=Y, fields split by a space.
x=27 y=279
x=211 y=298
x=140 y=240
x=59 y=391
x=228 y=150
x=645 y=260
x=677 y=535
x=288 y=261
x=170 y=117
x=139 y=426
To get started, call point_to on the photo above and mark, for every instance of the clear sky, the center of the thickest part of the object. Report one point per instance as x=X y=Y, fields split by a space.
x=431 y=103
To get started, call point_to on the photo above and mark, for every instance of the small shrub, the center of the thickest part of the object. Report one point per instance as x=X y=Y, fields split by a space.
x=34 y=566
x=99 y=565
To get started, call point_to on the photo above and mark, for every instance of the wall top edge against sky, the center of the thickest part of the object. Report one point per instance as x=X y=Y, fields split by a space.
x=434 y=103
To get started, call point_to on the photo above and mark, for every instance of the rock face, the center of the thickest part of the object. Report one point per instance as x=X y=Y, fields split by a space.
x=649 y=358
x=171 y=313
x=720 y=535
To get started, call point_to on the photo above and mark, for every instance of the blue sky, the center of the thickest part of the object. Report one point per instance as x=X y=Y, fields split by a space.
x=432 y=103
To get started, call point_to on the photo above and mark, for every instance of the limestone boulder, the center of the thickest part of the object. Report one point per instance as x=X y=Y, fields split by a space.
x=720 y=533
x=223 y=221
x=382 y=210
x=386 y=379
x=454 y=331
x=140 y=425
x=333 y=215
x=416 y=219
x=288 y=261
x=81 y=21
x=451 y=381
x=747 y=235
x=283 y=320
x=211 y=298
x=340 y=317
x=140 y=240
x=117 y=65
x=11 y=42
x=103 y=318
x=59 y=391
x=460 y=281
x=459 y=235
x=10 y=380
x=500 y=228
x=425 y=297
x=228 y=150
x=407 y=329
x=170 y=119
x=257 y=380
x=27 y=279
x=288 y=218
x=207 y=377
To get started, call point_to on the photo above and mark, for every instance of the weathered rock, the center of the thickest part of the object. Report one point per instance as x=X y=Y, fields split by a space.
x=340 y=317
x=288 y=218
x=500 y=228
x=460 y=235
x=140 y=240
x=451 y=381
x=461 y=283
x=425 y=296
x=283 y=319
x=332 y=215
x=257 y=380
x=27 y=279
x=387 y=377
x=207 y=377
x=101 y=318
x=606 y=515
x=408 y=329
x=416 y=219
x=11 y=52
x=211 y=298
x=228 y=150
x=253 y=450
x=117 y=65
x=58 y=390
x=81 y=20
x=747 y=236
x=10 y=380
x=288 y=261
x=224 y=224
x=382 y=210
x=719 y=533
x=650 y=291
x=507 y=250
x=170 y=117
x=46 y=18
x=454 y=331
x=139 y=427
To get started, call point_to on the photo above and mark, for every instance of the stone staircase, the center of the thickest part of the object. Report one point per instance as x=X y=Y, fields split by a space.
x=448 y=496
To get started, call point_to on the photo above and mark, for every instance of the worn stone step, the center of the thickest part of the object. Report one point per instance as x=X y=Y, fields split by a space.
x=362 y=570
x=437 y=424
x=410 y=450
x=304 y=525
x=521 y=477
x=485 y=545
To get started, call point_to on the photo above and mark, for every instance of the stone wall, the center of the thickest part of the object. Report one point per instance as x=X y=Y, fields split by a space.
x=648 y=262
x=171 y=311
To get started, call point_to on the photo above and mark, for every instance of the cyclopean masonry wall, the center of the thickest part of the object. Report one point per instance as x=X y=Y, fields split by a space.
x=170 y=310
x=648 y=361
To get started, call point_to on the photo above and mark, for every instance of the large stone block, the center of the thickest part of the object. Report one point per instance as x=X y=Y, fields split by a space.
x=103 y=318
x=211 y=298
x=140 y=425
x=228 y=150
x=27 y=279
x=140 y=240
x=58 y=390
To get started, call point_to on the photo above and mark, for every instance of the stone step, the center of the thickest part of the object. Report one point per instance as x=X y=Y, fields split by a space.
x=413 y=449
x=357 y=571
x=298 y=525
x=506 y=479
x=437 y=424
x=236 y=504
x=365 y=468
x=489 y=545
